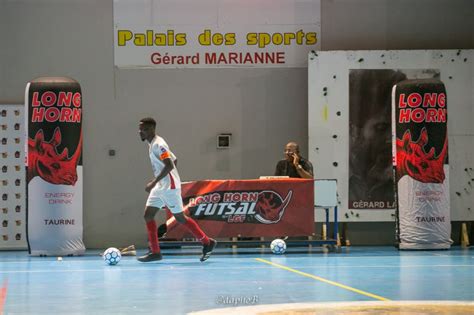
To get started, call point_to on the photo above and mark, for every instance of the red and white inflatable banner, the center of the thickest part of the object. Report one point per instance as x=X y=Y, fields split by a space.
x=420 y=157
x=249 y=208
x=54 y=166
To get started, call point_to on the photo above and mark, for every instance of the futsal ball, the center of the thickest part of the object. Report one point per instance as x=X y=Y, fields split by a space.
x=112 y=256
x=278 y=246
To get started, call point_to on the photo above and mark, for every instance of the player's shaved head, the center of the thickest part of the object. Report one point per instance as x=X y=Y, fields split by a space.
x=148 y=121
x=146 y=129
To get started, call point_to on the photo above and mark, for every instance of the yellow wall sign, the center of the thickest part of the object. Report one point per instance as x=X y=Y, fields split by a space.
x=272 y=36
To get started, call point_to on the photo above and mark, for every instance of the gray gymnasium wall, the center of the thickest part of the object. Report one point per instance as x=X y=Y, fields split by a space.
x=262 y=108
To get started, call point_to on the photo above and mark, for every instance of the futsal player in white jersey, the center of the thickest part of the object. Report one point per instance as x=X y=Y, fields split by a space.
x=165 y=191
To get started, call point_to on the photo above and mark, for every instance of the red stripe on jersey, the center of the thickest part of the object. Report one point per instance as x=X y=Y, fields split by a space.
x=173 y=186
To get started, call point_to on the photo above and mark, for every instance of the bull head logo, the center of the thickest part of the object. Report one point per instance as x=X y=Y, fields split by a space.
x=45 y=162
x=271 y=207
x=413 y=160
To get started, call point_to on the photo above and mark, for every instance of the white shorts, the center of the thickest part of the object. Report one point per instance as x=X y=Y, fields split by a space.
x=170 y=198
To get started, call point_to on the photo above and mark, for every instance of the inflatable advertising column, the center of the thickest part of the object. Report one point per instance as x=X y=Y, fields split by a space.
x=53 y=116
x=420 y=157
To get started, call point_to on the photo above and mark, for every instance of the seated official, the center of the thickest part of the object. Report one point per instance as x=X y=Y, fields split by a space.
x=294 y=165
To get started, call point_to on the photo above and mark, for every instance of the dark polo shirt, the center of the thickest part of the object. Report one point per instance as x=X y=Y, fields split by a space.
x=285 y=168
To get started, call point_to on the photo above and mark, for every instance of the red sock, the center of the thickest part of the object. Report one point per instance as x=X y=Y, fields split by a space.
x=196 y=230
x=152 y=236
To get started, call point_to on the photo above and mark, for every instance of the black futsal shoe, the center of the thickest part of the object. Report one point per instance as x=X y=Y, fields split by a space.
x=148 y=257
x=207 y=249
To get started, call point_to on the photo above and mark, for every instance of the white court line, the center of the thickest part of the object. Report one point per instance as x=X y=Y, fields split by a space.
x=177 y=268
x=171 y=260
x=374 y=266
x=99 y=260
x=176 y=263
x=314 y=258
x=117 y=268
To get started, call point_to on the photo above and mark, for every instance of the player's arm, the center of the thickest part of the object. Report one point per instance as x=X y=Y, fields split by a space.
x=164 y=155
x=164 y=172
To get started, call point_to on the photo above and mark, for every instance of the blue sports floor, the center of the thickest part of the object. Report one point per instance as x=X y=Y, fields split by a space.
x=180 y=283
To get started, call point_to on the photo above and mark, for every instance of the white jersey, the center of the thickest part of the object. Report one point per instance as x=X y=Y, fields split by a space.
x=159 y=150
